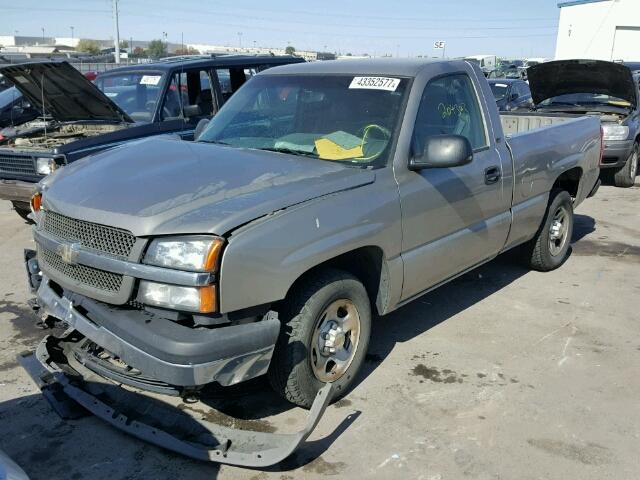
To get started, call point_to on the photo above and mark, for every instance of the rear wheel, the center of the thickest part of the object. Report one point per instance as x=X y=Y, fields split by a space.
x=548 y=250
x=625 y=176
x=326 y=324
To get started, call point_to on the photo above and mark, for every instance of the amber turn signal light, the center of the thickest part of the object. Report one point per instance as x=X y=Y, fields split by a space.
x=208 y=299
x=36 y=202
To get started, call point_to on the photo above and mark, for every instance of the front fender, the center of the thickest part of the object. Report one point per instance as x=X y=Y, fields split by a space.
x=263 y=259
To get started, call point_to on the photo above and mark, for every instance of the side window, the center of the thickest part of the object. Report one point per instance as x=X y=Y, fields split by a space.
x=188 y=96
x=449 y=106
x=231 y=79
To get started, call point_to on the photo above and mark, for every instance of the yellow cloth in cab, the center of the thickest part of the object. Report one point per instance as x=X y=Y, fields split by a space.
x=328 y=150
x=339 y=146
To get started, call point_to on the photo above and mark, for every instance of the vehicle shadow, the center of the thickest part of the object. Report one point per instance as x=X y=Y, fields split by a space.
x=437 y=306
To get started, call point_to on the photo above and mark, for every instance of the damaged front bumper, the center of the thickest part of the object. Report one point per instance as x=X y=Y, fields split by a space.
x=73 y=394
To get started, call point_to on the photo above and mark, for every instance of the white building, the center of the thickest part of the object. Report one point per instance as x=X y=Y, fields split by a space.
x=599 y=29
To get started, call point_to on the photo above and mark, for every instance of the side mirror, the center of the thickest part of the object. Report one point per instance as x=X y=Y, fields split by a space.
x=442 y=151
x=202 y=124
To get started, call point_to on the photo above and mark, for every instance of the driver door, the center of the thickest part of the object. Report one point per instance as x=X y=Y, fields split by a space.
x=453 y=218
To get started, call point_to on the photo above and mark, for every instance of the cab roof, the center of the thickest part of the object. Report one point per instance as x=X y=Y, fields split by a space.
x=177 y=63
x=409 y=67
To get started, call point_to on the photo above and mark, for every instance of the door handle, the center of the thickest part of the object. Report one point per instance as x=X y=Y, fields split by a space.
x=492 y=174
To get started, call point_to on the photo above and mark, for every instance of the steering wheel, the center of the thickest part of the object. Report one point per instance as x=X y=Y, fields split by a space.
x=364 y=133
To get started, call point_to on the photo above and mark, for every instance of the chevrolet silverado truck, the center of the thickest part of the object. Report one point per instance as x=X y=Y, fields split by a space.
x=123 y=104
x=605 y=90
x=320 y=194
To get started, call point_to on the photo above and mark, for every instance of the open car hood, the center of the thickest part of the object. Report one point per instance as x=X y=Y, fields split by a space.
x=66 y=94
x=564 y=77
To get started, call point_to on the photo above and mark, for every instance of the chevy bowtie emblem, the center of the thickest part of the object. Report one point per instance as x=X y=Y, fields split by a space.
x=69 y=252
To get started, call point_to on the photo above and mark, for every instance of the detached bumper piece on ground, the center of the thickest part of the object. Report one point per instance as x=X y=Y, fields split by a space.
x=73 y=391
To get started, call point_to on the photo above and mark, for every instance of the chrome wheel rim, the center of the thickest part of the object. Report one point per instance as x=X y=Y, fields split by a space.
x=335 y=340
x=634 y=166
x=559 y=230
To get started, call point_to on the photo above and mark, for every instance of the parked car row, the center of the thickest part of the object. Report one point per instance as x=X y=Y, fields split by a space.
x=318 y=194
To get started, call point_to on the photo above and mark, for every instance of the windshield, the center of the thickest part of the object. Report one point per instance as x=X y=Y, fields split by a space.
x=499 y=90
x=585 y=99
x=8 y=96
x=134 y=92
x=349 y=119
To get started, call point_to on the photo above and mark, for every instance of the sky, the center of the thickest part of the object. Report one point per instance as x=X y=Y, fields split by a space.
x=508 y=28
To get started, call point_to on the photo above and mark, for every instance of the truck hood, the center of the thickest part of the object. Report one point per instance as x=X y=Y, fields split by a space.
x=166 y=186
x=581 y=76
x=67 y=95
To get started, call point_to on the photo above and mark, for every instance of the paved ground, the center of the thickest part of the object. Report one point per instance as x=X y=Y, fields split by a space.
x=504 y=373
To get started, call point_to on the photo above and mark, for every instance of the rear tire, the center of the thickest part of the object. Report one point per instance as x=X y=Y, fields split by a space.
x=301 y=363
x=625 y=176
x=548 y=249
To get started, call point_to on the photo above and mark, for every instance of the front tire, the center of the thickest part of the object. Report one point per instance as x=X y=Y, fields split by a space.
x=548 y=249
x=625 y=176
x=326 y=325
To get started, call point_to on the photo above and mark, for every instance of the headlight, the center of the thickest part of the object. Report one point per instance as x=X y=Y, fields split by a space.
x=615 y=132
x=192 y=299
x=192 y=253
x=44 y=166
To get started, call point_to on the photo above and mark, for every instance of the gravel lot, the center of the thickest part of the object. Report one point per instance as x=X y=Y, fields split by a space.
x=504 y=373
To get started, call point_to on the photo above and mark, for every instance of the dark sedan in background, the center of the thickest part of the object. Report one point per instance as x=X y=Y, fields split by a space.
x=511 y=94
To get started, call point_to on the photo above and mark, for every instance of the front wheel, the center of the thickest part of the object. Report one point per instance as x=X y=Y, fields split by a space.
x=625 y=176
x=326 y=325
x=548 y=249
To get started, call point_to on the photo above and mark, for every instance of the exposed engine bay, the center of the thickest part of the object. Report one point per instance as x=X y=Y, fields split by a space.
x=610 y=117
x=51 y=136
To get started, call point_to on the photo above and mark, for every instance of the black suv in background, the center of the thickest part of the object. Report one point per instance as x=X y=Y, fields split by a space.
x=123 y=104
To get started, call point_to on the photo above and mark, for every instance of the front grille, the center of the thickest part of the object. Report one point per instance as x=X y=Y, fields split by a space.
x=111 y=240
x=17 y=164
x=87 y=276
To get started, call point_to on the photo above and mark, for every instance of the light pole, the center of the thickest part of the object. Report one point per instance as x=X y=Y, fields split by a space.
x=240 y=39
x=42 y=28
x=116 y=29
x=254 y=45
x=71 y=35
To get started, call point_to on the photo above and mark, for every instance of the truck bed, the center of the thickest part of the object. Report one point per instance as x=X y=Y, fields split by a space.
x=513 y=123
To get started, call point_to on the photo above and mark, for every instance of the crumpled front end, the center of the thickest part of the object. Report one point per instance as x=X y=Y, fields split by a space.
x=104 y=347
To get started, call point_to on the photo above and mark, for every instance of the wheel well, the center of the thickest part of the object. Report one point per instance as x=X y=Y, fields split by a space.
x=365 y=263
x=569 y=181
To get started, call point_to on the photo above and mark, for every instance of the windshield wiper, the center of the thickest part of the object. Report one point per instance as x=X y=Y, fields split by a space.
x=292 y=151
x=215 y=142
